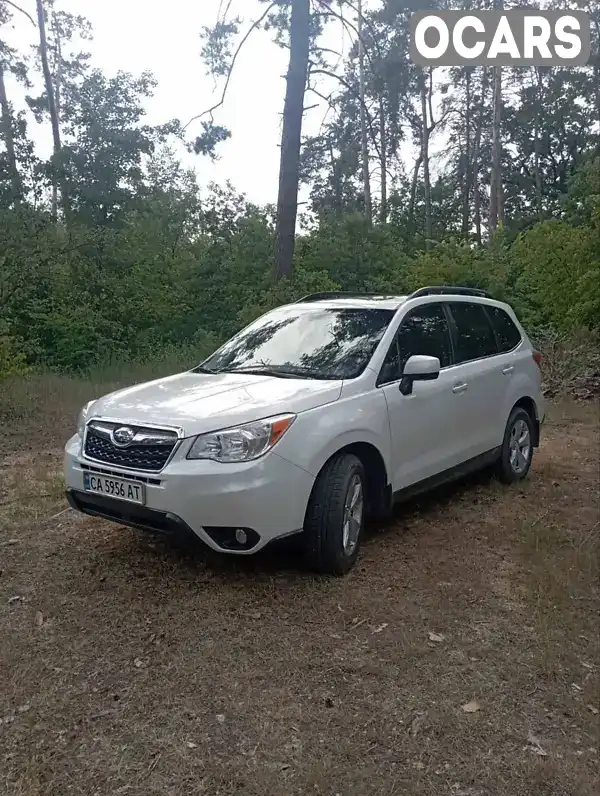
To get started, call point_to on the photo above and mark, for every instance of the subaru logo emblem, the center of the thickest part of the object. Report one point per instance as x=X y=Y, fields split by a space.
x=123 y=436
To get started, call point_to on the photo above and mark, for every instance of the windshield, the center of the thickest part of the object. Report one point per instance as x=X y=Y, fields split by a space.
x=309 y=342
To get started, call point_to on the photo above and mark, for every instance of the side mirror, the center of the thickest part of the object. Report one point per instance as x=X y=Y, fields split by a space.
x=419 y=368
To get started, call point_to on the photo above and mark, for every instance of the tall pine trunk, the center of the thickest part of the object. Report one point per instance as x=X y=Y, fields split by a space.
x=413 y=191
x=536 y=144
x=364 y=143
x=425 y=132
x=476 y=156
x=467 y=158
x=496 y=214
x=496 y=203
x=291 y=139
x=9 y=143
x=58 y=76
x=383 y=160
x=56 y=165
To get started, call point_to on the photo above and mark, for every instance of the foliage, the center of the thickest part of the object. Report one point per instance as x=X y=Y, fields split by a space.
x=147 y=267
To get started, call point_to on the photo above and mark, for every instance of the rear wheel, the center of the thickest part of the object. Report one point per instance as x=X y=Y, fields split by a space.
x=517 y=448
x=335 y=515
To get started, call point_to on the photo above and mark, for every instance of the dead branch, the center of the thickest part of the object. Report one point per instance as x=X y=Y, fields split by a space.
x=22 y=10
x=247 y=35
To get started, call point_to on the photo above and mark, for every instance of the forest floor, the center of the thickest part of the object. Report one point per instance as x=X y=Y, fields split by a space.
x=459 y=658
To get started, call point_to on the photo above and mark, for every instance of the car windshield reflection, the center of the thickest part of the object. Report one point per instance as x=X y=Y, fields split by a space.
x=318 y=343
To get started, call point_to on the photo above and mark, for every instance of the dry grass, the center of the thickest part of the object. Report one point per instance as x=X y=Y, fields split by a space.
x=130 y=667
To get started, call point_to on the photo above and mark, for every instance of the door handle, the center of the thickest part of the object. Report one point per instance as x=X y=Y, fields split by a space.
x=459 y=388
x=508 y=370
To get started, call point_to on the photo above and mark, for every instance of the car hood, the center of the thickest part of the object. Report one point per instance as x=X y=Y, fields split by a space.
x=198 y=402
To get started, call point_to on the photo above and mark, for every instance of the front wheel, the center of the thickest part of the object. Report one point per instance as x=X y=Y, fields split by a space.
x=335 y=515
x=517 y=447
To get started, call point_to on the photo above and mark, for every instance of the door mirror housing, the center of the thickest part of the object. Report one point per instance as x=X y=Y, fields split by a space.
x=419 y=368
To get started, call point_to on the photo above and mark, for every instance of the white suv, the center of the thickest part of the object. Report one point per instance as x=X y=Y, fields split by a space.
x=314 y=416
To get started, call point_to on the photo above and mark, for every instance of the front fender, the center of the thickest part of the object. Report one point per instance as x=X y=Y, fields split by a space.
x=351 y=437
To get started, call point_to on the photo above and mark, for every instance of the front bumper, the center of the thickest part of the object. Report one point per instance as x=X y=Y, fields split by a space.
x=267 y=498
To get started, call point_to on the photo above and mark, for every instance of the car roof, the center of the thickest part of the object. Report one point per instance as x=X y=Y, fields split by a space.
x=355 y=302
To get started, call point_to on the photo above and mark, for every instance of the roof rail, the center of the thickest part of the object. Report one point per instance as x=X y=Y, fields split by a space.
x=335 y=294
x=449 y=290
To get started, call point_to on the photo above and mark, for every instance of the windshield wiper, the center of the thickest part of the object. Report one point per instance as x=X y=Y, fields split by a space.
x=258 y=371
x=202 y=369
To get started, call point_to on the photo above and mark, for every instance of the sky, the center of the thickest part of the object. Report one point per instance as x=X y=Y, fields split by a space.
x=137 y=35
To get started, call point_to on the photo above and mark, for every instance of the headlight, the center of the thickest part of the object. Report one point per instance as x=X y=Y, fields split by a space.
x=241 y=443
x=83 y=416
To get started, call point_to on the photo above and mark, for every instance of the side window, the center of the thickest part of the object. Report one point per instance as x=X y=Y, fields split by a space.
x=507 y=333
x=474 y=333
x=425 y=331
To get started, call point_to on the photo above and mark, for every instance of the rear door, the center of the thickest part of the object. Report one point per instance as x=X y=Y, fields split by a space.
x=516 y=361
x=424 y=426
x=477 y=375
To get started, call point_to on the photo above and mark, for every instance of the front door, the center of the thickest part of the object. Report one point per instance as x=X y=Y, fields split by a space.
x=426 y=425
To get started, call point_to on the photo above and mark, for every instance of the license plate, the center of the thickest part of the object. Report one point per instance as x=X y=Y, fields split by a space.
x=119 y=488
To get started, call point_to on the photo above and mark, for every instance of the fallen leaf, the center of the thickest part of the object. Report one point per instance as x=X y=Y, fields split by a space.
x=220 y=718
x=593 y=709
x=436 y=637
x=25 y=708
x=39 y=618
x=14 y=599
x=255 y=615
x=192 y=745
x=380 y=628
x=471 y=707
x=138 y=663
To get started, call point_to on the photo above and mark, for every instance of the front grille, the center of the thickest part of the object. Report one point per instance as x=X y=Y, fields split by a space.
x=146 y=455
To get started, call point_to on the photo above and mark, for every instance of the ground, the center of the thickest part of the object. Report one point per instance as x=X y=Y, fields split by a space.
x=460 y=657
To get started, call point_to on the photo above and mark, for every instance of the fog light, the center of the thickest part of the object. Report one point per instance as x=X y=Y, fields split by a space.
x=241 y=537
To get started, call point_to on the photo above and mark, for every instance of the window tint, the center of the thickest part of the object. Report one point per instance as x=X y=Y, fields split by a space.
x=507 y=333
x=423 y=331
x=309 y=341
x=475 y=336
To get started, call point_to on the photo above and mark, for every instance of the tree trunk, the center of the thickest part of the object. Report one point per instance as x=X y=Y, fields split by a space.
x=336 y=180
x=467 y=156
x=363 y=119
x=291 y=139
x=496 y=209
x=9 y=143
x=58 y=72
x=413 y=190
x=425 y=131
x=597 y=81
x=476 y=149
x=536 y=145
x=51 y=106
x=383 y=158
x=496 y=213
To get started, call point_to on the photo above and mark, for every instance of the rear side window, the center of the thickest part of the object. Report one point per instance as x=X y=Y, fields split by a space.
x=423 y=331
x=507 y=333
x=474 y=334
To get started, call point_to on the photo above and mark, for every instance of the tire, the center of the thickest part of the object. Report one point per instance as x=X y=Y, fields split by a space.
x=330 y=550
x=512 y=467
